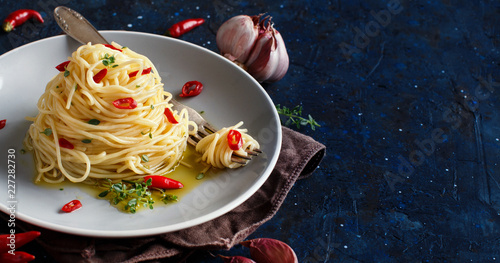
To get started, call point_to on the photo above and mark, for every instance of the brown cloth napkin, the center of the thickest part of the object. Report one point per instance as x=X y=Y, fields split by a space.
x=299 y=157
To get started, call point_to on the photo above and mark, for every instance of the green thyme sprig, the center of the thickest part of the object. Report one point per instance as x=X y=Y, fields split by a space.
x=294 y=117
x=133 y=194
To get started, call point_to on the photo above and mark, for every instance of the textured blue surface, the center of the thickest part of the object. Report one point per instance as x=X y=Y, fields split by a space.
x=407 y=95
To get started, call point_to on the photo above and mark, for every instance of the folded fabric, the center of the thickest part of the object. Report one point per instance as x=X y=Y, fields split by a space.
x=299 y=157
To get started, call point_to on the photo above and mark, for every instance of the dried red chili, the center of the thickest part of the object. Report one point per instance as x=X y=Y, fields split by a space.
x=100 y=75
x=2 y=123
x=62 y=67
x=182 y=27
x=66 y=144
x=125 y=103
x=20 y=239
x=17 y=257
x=18 y=18
x=234 y=140
x=71 y=206
x=162 y=182
x=144 y=72
x=170 y=116
x=112 y=47
x=191 y=88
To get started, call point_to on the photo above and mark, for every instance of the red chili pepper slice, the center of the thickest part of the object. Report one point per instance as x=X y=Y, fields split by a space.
x=17 y=257
x=100 y=75
x=191 y=88
x=170 y=116
x=144 y=72
x=19 y=239
x=234 y=140
x=18 y=17
x=66 y=144
x=2 y=123
x=71 y=206
x=162 y=182
x=180 y=28
x=62 y=67
x=125 y=103
x=112 y=47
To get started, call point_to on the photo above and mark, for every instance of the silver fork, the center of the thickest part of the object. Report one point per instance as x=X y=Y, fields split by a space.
x=205 y=128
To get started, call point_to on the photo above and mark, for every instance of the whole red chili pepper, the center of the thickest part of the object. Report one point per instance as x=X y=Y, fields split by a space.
x=62 y=67
x=191 y=88
x=66 y=144
x=170 y=116
x=112 y=47
x=125 y=103
x=71 y=206
x=17 y=239
x=182 y=27
x=16 y=257
x=100 y=75
x=234 y=140
x=18 y=17
x=144 y=72
x=2 y=123
x=162 y=182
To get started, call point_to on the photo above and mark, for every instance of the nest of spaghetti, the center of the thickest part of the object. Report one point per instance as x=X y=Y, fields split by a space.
x=105 y=115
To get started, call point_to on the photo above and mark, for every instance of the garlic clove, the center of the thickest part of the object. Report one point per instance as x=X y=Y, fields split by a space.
x=236 y=259
x=263 y=60
x=267 y=250
x=236 y=37
x=283 y=60
x=268 y=61
x=254 y=45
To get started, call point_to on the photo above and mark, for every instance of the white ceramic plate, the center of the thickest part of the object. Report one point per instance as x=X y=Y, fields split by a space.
x=230 y=95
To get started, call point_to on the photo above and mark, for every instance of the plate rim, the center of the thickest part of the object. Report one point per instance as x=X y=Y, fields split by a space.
x=161 y=229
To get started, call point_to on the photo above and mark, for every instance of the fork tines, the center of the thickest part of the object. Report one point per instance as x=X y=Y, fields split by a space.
x=237 y=158
x=204 y=129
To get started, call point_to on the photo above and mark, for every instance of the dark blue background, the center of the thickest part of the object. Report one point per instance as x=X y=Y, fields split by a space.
x=408 y=103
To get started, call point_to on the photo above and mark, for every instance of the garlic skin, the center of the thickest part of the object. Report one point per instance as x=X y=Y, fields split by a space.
x=263 y=55
x=236 y=259
x=283 y=62
x=268 y=250
x=235 y=38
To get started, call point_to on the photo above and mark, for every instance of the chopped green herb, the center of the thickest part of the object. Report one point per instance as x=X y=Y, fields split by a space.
x=94 y=122
x=76 y=86
x=294 y=116
x=133 y=193
x=60 y=189
x=152 y=106
x=169 y=198
x=114 y=66
x=145 y=158
x=108 y=60
x=201 y=112
x=57 y=86
x=47 y=131
x=22 y=151
x=150 y=136
x=66 y=73
x=137 y=86
x=87 y=140
x=200 y=176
